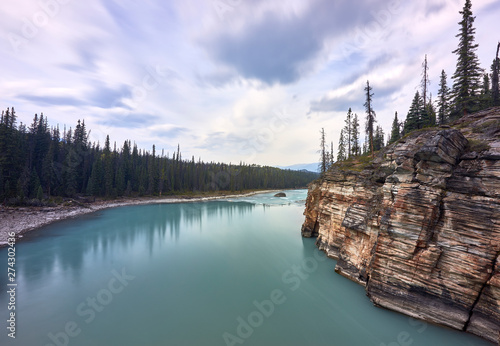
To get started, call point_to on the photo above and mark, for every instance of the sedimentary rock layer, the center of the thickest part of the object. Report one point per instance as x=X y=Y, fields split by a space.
x=419 y=226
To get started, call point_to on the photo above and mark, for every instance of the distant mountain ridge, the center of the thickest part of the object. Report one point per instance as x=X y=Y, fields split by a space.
x=311 y=167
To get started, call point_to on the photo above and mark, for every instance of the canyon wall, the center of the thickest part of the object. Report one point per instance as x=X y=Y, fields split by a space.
x=419 y=225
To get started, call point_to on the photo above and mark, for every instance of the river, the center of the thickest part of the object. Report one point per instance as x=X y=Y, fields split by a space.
x=225 y=272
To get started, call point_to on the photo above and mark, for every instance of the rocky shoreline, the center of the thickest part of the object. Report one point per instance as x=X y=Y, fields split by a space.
x=21 y=220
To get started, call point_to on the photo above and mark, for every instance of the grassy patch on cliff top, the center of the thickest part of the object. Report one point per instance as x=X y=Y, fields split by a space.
x=418 y=131
x=357 y=163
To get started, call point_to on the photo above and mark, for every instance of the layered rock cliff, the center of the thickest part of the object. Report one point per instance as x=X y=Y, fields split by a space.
x=419 y=226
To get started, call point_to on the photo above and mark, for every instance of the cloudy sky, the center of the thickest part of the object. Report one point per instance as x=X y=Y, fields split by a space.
x=229 y=80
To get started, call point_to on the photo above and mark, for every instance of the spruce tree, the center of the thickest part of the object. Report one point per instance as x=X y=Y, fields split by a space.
x=425 y=80
x=8 y=149
x=341 y=154
x=425 y=118
x=366 y=145
x=348 y=133
x=395 y=132
x=495 y=84
x=413 y=119
x=355 y=149
x=39 y=193
x=323 y=153
x=486 y=99
x=431 y=112
x=332 y=156
x=370 y=116
x=108 y=168
x=443 y=97
x=2 y=193
x=378 y=142
x=468 y=73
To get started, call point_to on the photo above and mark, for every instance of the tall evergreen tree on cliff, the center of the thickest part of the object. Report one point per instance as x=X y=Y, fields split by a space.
x=370 y=115
x=395 y=132
x=348 y=133
x=431 y=112
x=413 y=118
x=468 y=73
x=378 y=140
x=425 y=80
x=341 y=153
x=495 y=85
x=485 y=96
x=443 y=99
x=323 y=164
x=355 y=149
x=332 y=156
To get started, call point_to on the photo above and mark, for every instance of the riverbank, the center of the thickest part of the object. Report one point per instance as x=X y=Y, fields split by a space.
x=21 y=220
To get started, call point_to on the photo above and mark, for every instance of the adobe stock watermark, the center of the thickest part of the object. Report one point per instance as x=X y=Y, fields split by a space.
x=150 y=81
x=277 y=124
x=373 y=30
x=292 y=278
x=224 y=6
x=250 y=148
x=90 y=307
x=32 y=25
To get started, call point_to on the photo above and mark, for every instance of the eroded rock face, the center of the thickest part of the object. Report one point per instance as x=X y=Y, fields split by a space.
x=420 y=227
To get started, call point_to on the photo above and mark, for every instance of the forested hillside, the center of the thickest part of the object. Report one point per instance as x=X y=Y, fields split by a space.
x=37 y=162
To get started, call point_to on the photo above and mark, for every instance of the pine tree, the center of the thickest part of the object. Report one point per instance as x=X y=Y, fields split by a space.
x=332 y=157
x=395 y=131
x=366 y=146
x=486 y=99
x=71 y=176
x=425 y=80
x=8 y=157
x=378 y=142
x=443 y=97
x=323 y=164
x=370 y=116
x=495 y=83
x=348 y=132
x=355 y=149
x=151 y=172
x=413 y=119
x=424 y=119
x=431 y=112
x=468 y=73
x=39 y=193
x=34 y=183
x=341 y=155
x=108 y=168
x=2 y=190
x=95 y=187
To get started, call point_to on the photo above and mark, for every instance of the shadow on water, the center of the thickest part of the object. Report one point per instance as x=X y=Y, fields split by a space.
x=65 y=245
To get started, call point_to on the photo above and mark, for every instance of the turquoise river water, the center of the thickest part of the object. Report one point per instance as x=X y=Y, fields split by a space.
x=225 y=272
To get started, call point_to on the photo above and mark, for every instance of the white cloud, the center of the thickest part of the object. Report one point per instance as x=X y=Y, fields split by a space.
x=180 y=72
